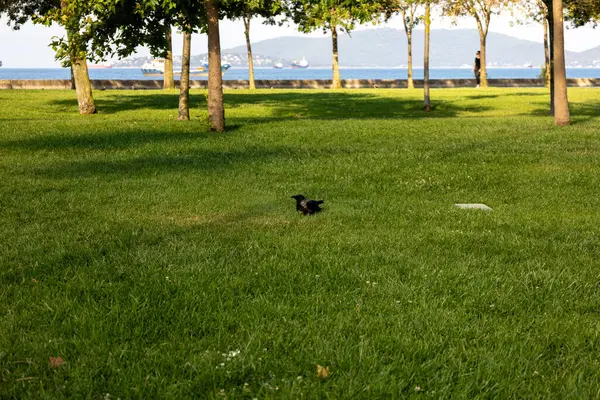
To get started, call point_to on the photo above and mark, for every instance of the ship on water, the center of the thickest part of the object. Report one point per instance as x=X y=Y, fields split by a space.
x=0 y=63
x=300 y=64
x=157 y=68
x=99 y=66
x=278 y=66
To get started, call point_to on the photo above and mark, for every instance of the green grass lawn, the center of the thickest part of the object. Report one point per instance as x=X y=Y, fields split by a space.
x=162 y=261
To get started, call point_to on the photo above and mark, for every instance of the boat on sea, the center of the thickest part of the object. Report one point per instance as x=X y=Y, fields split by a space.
x=157 y=68
x=278 y=66
x=300 y=64
x=0 y=63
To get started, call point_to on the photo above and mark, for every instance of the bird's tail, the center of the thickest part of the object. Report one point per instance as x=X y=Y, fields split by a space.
x=320 y=201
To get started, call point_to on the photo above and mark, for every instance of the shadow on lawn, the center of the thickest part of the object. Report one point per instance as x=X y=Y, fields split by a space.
x=581 y=111
x=346 y=105
x=197 y=160
x=108 y=141
x=285 y=105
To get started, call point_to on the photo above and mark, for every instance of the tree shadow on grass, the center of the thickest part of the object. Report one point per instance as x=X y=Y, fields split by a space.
x=122 y=139
x=284 y=105
x=581 y=111
x=346 y=105
x=197 y=160
x=114 y=103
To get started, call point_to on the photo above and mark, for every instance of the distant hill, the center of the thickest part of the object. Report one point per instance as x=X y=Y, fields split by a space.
x=387 y=48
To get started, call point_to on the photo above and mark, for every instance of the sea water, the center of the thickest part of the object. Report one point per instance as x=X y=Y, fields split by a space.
x=236 y=73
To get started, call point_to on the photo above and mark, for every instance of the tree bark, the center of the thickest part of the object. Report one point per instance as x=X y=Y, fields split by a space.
x=83 y=86
x=551 y=47
x=546 y=52
x=80 y=75
x=410 y=83
x=482 y=56
x=336 y=83
x=251 y=82
x=184 y=82
x=72 y=79
x=169 y=81
x=427 y=99
x=561 y=102
x=216 y=110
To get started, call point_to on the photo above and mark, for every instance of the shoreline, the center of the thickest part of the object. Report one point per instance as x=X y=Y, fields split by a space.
x=309 y=68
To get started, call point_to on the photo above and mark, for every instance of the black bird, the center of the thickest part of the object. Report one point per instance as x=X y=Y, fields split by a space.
x=308 y=207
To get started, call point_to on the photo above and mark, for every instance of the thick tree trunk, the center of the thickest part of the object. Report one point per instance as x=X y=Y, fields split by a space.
x=251 y=82
x=216 y=110
x=546 y=53
x=561 y=102
x=482 y=56
x=169 y=81
x=426 y=61
x=411 y=84
x=83 y=86
x=184 y=82
x=337 y=82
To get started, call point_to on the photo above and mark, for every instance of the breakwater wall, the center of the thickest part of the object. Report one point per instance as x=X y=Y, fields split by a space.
x=65 y=84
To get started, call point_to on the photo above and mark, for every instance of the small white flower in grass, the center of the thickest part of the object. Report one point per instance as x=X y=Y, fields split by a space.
x=535 y=373
x=222 y=364
x=233 y=353
x=417 y=388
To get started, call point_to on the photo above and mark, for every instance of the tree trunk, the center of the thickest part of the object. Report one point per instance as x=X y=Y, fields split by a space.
x=546 y=52
x=184 y=82
x=482 y=56
x=216 y=110
x=426 y=61
x=169 y=81
x=83 y=86
x=80 y=77
x=72 y=79
x=411 y=84
x=336 y=83
x=251 y=82
x=561 y=102
x=551 y=47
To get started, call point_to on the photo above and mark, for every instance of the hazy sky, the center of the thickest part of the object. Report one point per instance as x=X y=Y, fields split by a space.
x=28 y=47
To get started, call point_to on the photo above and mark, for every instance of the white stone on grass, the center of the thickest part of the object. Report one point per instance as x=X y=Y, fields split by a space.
x=478 y=206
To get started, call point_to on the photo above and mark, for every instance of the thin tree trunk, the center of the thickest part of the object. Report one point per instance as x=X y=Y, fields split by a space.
x=482 y=56
x=83 y=87
x=336 y=83
x=546 y=53
x=411 y=84
x=551 y=47
x=561 y=102
x=184 y=82
x=72 y=79
x=169 y=81
x=216 y=110
x=251 y=82
x=426 y=61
